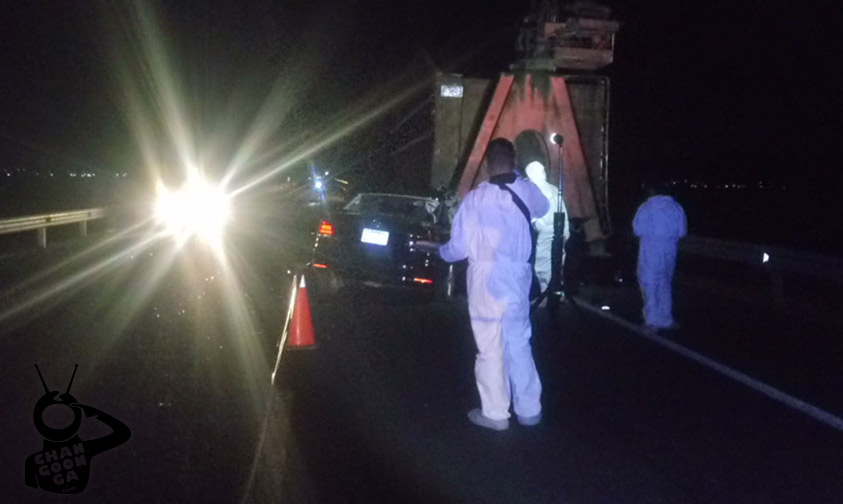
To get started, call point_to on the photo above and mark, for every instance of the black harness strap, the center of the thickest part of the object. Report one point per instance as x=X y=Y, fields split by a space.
x=502 y=181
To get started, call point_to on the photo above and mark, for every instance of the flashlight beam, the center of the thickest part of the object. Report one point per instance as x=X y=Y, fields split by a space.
x=352 y=126
x=74 y=281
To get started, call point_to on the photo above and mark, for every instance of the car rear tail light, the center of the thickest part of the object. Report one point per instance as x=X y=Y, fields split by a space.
x=326 y=229
x=423 y=280
x=320 y=265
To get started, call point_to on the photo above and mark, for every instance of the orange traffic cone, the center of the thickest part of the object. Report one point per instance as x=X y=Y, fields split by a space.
x=301 y=323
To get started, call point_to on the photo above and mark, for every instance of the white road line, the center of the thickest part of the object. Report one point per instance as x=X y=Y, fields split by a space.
x=771 y=392
x=284 y=332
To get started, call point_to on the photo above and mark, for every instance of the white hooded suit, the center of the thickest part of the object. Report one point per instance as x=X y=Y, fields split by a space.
x=660 y=222
x=494 y=235
x=544 y=224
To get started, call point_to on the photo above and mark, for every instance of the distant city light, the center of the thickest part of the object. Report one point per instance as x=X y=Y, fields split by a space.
x=696 y=184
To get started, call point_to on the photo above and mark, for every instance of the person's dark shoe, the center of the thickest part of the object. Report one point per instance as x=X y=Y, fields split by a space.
x=530 y=421
x=651 y=329
x=477 y=417
x=654 y=329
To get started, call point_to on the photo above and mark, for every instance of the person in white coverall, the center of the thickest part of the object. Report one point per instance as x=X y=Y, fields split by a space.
x=659 y=223
x=492 y=231
x=544 y=224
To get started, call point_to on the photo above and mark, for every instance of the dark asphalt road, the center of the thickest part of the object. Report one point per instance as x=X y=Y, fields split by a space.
x=377 y=413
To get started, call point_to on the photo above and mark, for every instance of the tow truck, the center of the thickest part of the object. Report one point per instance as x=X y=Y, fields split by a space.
x=552 y=103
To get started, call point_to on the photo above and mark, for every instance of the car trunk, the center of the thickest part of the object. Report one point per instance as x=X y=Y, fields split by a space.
x=388 y=247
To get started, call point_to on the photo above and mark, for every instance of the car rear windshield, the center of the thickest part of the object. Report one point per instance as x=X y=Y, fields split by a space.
x=406 y=206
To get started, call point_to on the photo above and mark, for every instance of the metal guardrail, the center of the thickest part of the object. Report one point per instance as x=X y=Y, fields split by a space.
x=768 y=257
x=40 y=223
x=777 y=261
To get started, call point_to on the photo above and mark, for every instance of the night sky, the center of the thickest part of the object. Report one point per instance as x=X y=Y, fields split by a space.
x=716 y=91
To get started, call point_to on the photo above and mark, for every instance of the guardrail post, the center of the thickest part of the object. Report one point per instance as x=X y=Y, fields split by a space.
x=40 y=223
x=41 y=236
x=449 y=292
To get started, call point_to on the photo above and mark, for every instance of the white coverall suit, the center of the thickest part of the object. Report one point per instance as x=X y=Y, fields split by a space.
x=544 y=224
x=494 y=235
x=660 y=222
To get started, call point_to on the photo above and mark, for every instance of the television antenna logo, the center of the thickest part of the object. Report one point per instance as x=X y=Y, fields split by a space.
x=64 y=463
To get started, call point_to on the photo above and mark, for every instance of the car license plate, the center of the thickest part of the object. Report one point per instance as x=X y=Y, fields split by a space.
x=374 y=236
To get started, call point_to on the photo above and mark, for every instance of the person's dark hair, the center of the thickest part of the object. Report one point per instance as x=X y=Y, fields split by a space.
x=500 y=156
x=653 y=187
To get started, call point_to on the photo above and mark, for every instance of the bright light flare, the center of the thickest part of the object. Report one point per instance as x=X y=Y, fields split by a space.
x=198 y=208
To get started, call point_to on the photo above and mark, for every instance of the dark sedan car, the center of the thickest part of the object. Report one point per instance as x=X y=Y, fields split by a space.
x=374 y=241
